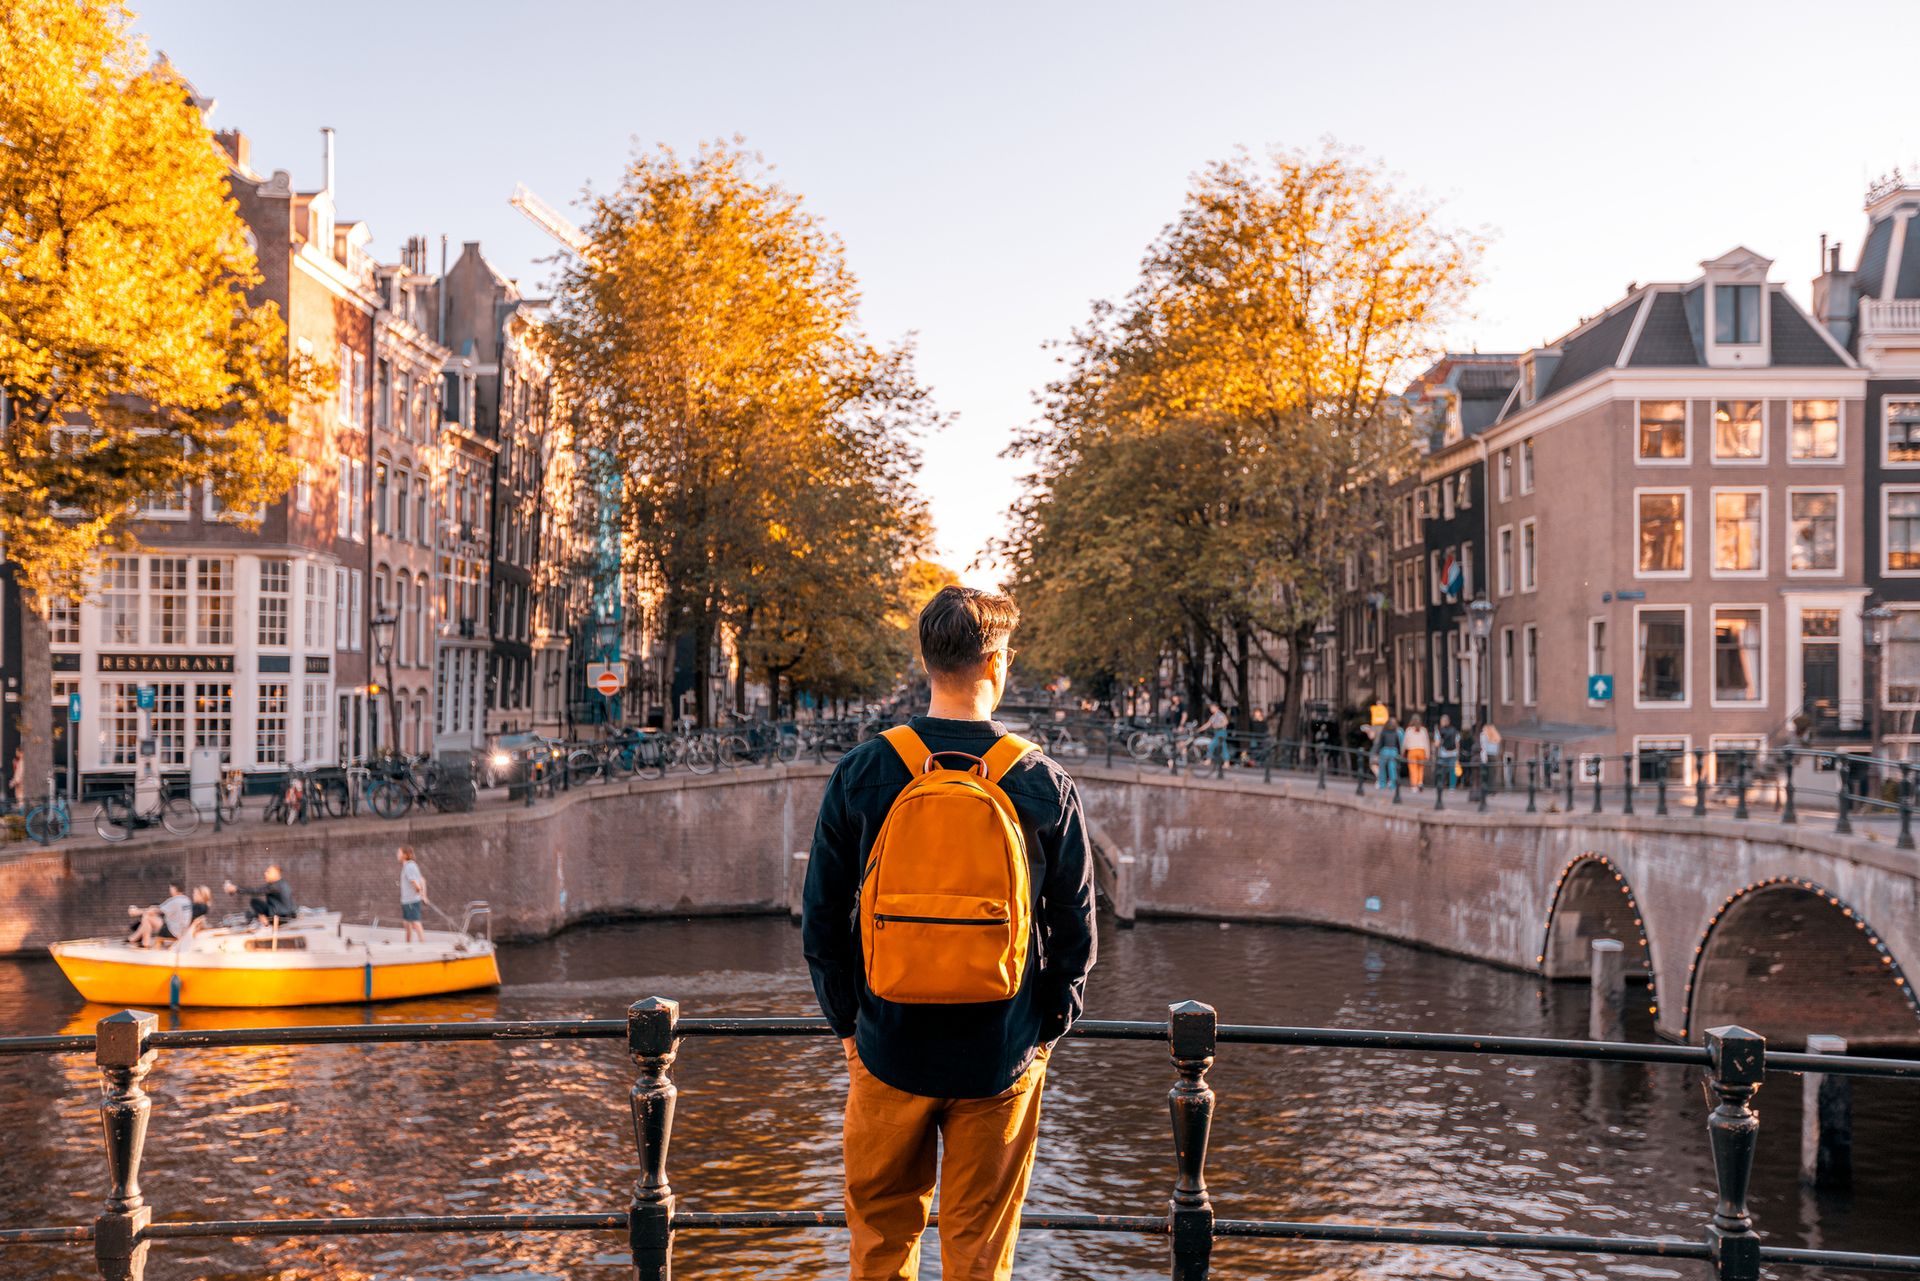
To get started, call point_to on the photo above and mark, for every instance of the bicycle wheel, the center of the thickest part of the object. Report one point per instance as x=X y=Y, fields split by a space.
x=734 y=750
x=702 y=756
x=180 y=816
x=114 y=820
x=336 y=799
x=1141 y=745
x=582 y=766
x=389 y=800
x=47 y=823
x=787 y=750
x=621 y=760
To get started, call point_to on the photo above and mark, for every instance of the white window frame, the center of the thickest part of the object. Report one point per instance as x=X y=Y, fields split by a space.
x=1529 y=564
x=1886 y=701
x=1886 y=492
x=1529 y=665
x=1508 y=657
x=1840 y=429
x=1525 y=450
x=1686 y=659
x=1503 y=555
x=1686 y=456
x=1886 y=424
x=1718 y=743
x=1686 y=527
x=1713 y=500
x=1504 y=465
x=1766 y=433
x=1593 y=664
x=1664 y=742
x=1839 y=494
x=1766 y=658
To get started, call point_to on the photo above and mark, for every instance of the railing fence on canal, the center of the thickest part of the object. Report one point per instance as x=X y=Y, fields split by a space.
x=1735 y=1062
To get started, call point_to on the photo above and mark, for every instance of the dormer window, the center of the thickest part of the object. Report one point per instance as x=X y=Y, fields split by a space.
x=1736 y=313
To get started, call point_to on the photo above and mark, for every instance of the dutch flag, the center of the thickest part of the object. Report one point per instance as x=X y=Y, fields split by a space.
x=1450 y=575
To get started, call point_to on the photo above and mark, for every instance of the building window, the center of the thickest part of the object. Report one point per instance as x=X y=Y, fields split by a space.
x=1466 y=571
x=119 y=722
x=1737 y=531
x=313 y=722
x=168 y=722
x=270 y=724
x=120 y=601
x=354 y=629
x=168 y=504
x=1526 y=466
x=1663 y=430
x=167 y=600
x=63 y=621
x=1663 y=533
x=1531 y=694
x=423 y=620
x=276 y=580
x=1504 y=555
x=402 y=505
x=357 y=509
x=1816 y=431
x=213 y=717
x=1446 y=502
x=213 y=601
x=343 y=393
x=303 y=489
x=1814 y=539
x=1903 y=430
x=1596 y=652
x=1529 y=560
x=1903 y=530
x=1465 y=501
x=340 y=610
x=1902 y=659
x=1739 y=430
x=382 y=499
x=315 y=630
x=1506 y=474
x=1736 y=313
x=1737 y=670
x=1663 y=655
x=1506 y=665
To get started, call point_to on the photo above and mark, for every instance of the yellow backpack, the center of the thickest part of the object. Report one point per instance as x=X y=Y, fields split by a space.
x=946 y=904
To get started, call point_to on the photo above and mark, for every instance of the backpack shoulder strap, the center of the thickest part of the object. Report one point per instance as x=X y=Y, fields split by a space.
x=1005 y=754
x=913 y=752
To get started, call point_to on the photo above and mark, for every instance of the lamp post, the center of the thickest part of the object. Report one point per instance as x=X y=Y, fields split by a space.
x=384 y=626
x=1874 y=620
x=1480 y=621
x=606 y=637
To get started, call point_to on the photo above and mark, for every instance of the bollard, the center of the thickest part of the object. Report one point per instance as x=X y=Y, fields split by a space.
x=121 y=1052
x=652 y=1045
x=1626 y=783
x=1826 y=1122
x=1787 y=813
x=1439 y=795
x=1399 y=777
x=1739 y=1059
x=1905 y=839
x=1607 y=1001
x=1699 y=784
x=1660 y=791
x=1191 y=1030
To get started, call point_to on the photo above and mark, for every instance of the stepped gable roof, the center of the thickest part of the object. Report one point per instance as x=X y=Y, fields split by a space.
x=1795 y=341
x=1667 y=338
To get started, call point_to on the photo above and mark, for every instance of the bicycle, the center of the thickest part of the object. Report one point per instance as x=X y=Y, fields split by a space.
x=49 y=821
x=288 y=803
x=120 y=815
x=422 y=782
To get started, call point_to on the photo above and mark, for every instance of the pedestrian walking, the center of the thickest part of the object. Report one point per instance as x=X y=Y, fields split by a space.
x=1215 y=728
x=413 y=893
x=1386 y=748
x=947 y=1031
x=1446 y=752
x=1416 y=743
x=1490 y=752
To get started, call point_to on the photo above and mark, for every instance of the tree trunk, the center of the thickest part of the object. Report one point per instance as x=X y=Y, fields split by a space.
x=36 y=698
x=1242 y=663
x=1290 y=705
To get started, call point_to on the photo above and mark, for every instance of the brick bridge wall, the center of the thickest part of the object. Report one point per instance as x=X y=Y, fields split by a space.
x=1789 y=919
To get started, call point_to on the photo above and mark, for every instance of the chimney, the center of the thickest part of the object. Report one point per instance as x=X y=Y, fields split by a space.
x=326 y=160
x=237 y=146
x=1836 y=300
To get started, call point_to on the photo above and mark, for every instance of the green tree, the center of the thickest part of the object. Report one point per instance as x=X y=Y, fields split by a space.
x=1221 y=438
x=763 y=448
x=132 y=362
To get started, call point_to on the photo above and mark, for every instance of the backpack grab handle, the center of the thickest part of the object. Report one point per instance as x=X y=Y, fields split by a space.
x=978 y=767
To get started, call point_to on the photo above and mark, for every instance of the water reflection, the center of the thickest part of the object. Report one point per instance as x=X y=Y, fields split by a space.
x=1504 y=1144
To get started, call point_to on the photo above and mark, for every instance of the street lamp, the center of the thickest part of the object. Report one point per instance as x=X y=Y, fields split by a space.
x=1480 y=622
x=384 y=626
x=1875 y=619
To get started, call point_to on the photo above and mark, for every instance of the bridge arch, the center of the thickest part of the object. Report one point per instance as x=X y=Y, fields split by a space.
x=1592 y=899
x=1788 y=958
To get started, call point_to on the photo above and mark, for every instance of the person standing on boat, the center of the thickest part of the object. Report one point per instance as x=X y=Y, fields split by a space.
x=413 y=893
x=270 y=902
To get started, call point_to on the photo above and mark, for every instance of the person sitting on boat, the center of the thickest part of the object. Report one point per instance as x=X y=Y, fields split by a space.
x=413 y=893
x=270 y=902
x=166 y=920
x=202 y=905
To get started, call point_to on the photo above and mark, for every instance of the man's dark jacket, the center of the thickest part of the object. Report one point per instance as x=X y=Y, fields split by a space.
x=950 y=1051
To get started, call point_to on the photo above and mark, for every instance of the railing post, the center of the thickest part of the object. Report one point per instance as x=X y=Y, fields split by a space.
x=1266 y=764
x=1788 y=814
x=120 y=1050
x=1439 y=794
x=1566 y=770
x=1484 y=789
x=1533 y=778
x=1660 y=787
x=1905 y=840
x=1699 y=783
x=1599 y=774
x=1321 y=784
x=1739 y=1059
x=1191 y=1030
x=652 y=1045
x=1626 y=781
x=1843 y=807
x=1359 y=772
x=1399 y=777
x=1740 y=782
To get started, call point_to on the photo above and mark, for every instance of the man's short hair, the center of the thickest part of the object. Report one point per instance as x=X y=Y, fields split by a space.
x=961 y=626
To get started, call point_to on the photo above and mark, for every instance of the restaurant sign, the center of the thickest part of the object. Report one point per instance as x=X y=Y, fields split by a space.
x=143 y=663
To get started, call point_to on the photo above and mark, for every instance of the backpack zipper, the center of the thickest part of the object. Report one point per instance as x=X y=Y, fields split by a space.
x=880 y=920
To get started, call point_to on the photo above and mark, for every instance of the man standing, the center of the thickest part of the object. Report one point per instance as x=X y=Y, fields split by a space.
x=1446 y=749
x=926 y=1074
x=413 y=892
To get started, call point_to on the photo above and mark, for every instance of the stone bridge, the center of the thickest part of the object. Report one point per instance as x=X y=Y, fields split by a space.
x=1787 y=930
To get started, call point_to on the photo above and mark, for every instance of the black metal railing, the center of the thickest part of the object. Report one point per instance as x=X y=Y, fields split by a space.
x=126 y=1046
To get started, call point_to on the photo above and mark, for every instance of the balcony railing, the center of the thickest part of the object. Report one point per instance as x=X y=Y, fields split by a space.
x=1890 y=316
x=1734 y=1061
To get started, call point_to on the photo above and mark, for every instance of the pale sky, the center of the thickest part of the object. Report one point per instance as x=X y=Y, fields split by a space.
x=994 y=167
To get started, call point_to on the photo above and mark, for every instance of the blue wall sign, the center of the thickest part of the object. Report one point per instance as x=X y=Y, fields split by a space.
x=144 y=698
x=1600 y=689
x=73 y=707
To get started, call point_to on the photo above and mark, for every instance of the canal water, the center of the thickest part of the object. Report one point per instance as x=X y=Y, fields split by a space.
x=1494 y=1144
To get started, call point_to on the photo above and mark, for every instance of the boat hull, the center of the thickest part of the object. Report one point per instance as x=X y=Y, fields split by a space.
x=108 y=981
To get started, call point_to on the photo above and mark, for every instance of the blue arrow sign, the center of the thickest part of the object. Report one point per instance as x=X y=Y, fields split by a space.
x=144 y=698
x=1600 y=689
x=73 y=707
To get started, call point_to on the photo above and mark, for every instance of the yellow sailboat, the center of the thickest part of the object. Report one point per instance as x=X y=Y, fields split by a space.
x=314 y=959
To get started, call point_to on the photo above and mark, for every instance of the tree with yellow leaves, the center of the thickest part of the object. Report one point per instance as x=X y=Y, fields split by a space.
x=763 y=449
x=1221 y=437
x=131 y=360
